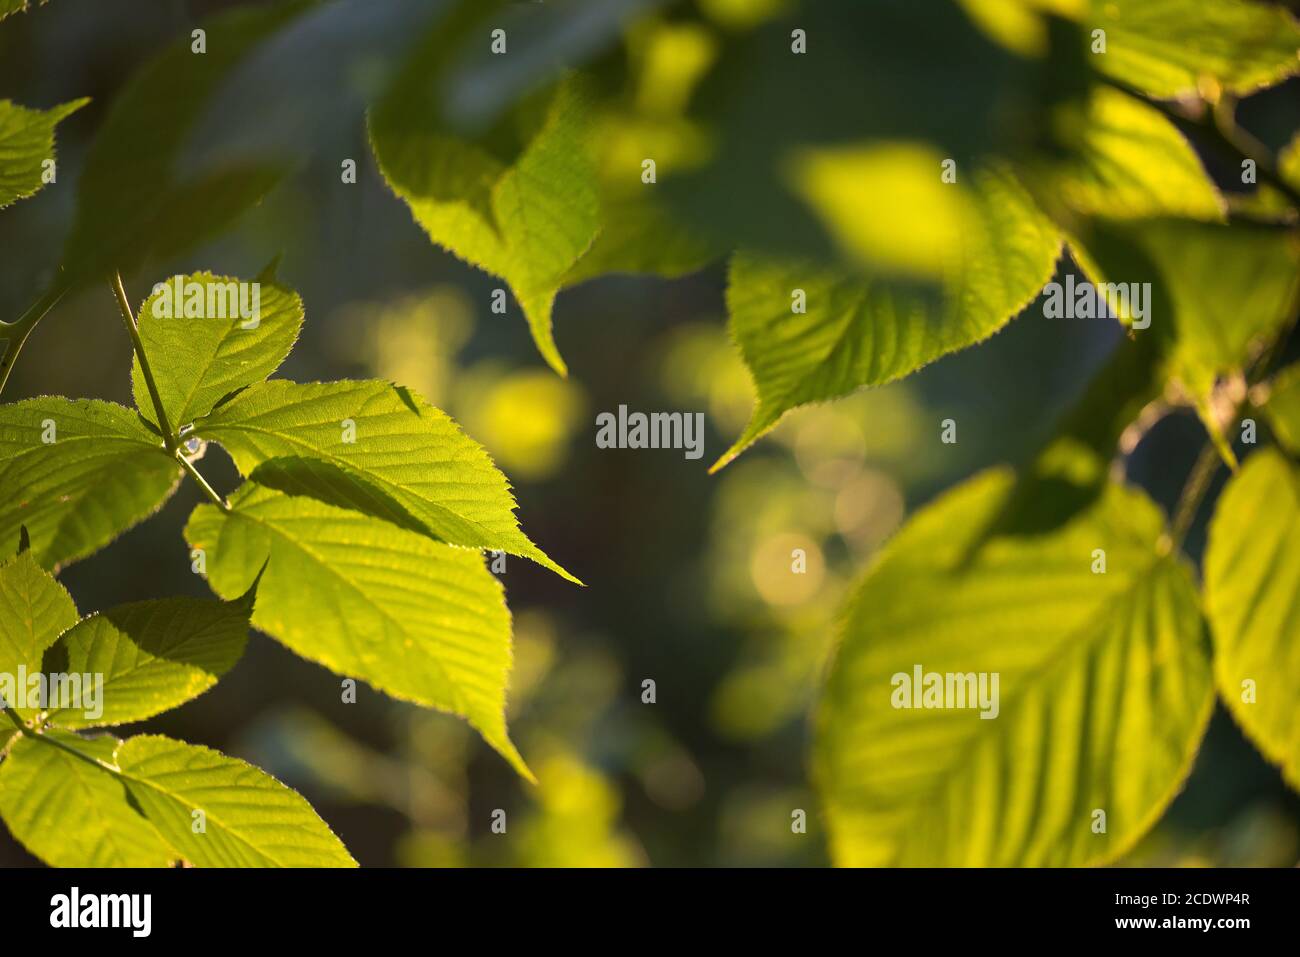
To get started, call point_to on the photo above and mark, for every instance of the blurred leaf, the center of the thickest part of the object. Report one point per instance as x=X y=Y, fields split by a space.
x=884 y=205
x=251 y=819
x=1104 y=690
x=154 y=655
x=1133 y=163
x=861 y=332
x=1167 y=48
x=1288 y=162
x=203 y=350
x=1224 y=289
x=102 y=473
x=764 y=104
x=70 y=811
x=17 y=6
x=34 y=610
x=132 y=201
x=26 y=142
x=528 y=222
x=1252 y=578
x=410 y=464
x=1283 y=408
x=422 y=621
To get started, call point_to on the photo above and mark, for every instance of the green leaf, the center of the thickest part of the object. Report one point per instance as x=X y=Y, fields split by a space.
x=154 y=655
x=1288 y=163
x=422 y=621
x=1283 y=408
x=73 y=811
x=862 y=332
x=1169 y=48
x=134 y=199
x=1133 y=163
x=210 y=336
x=250 y=818
x=1252 y=578
x=408 y=463
x=1225 y=289
x=34 y=610
x=1104 y=690
x=100 y=472
x=26 y=142
x=528 y=222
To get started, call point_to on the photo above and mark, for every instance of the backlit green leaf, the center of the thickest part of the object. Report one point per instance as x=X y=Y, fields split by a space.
x=1133 y=163
x=34 y=610
x=1283 y=408
x=249 y=818
x=420 y=620
x=380 y=449
x=1170 y=47
x=153 y=655
x=77 y=473
x=26 y=142
x=1225 y=289
x=207 y=336
x=1252 y=578
x=1104 y=690
x=862 y=332
x=528 y=222
x=72 y=812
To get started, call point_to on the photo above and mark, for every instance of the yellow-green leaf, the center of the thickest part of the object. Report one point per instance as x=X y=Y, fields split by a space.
x=1252 y=580
x=860 y=331
x=153 y=656
x=248 y=818
x=528 y=222
x=73 y=811
x=77 y=473
x=207 y=336
x=34 y=610
x=377 y=448
x=1133 y=163
x=1167 y=48
x=1103 y=689
x=1283 y=408
x=420 y=620
x=26 y=143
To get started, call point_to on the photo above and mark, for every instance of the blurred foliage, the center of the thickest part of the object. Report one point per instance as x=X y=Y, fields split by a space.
x=831 y=157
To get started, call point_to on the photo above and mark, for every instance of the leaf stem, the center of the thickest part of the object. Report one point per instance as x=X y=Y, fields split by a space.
x=15 y=333
x=128 y=319
x=220 y=502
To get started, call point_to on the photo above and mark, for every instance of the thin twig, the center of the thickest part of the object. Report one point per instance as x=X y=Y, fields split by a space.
x=15 y=333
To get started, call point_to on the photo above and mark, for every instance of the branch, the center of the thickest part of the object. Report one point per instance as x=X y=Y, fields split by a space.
x=16 y=333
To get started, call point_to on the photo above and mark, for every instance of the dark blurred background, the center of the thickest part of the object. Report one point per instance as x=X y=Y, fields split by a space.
x=688 y=575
